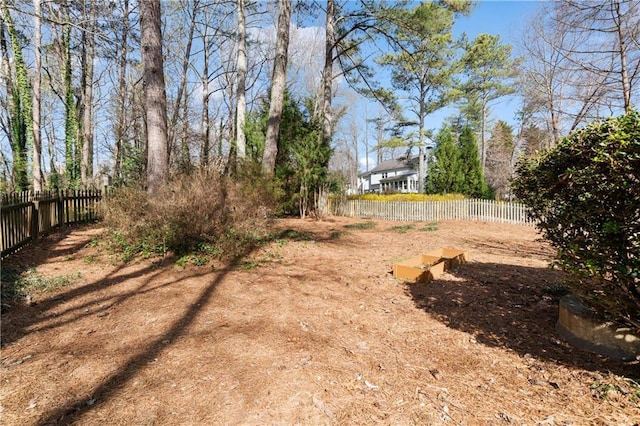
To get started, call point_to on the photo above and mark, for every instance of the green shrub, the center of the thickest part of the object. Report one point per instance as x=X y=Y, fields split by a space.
x=430 y=227
x=361 y=225
x=585 y=195
x=204 y=209
x=402 y=229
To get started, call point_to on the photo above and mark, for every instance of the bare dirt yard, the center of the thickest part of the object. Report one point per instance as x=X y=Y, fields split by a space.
x=309 y=329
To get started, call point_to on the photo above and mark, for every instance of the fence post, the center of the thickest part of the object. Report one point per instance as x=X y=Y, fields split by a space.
x=35 y=220
x=61 y=213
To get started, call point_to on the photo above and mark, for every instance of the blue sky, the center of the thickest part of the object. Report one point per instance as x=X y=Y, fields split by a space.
x=503 y=17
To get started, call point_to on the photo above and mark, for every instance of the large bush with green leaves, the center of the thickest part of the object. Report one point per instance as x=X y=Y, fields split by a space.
x=585 y=195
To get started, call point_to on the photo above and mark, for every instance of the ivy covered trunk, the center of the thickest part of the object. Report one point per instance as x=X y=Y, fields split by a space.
x=37 y=139
x=88 y=53
x=20 y=110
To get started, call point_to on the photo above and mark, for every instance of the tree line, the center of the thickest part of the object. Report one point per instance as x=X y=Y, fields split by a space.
x=142 y=90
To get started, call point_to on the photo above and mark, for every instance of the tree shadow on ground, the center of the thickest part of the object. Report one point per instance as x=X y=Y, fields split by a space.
x=48 y=246
x=72 y=411
x=511 y=307
x=48 y=313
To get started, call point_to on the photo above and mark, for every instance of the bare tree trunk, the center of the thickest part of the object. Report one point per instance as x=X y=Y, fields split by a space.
x=379 y=140
x=555 y=131
x=483 y=138
x=327 y=95
x=327 y=76
x=184 y=153
x=204 y=152
x=278 y=81
x=37 y=133
x=624 y=75
x=421 y=168
x=54 y=180
x=184 y=159
x=366 y=142
x=219 y=141
x=231 y=123
x=155 y=98
x=181 y=90
x=241 y=107
x=86 y=167
x=354 y=166
x=122 y=91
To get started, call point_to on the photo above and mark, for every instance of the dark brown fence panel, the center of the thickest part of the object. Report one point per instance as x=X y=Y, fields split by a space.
x=13 y=198
x=49 y=215
x=48 y=207
x=81 y=206
x=16 y=226
x=26 y=215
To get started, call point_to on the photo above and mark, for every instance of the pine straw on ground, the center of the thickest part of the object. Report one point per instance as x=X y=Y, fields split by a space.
x=310 y=329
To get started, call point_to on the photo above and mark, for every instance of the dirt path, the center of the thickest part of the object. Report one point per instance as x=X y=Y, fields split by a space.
x=308 y=330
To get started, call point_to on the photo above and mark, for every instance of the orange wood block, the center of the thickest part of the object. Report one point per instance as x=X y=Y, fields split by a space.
x=429 y=266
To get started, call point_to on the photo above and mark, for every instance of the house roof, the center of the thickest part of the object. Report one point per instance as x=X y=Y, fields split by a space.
x=401 y=163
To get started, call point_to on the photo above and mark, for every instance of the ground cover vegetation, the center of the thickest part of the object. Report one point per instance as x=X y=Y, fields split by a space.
x=22 y=286
x=585 y=196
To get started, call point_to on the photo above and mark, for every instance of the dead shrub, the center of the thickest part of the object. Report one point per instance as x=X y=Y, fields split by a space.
x=201 y=211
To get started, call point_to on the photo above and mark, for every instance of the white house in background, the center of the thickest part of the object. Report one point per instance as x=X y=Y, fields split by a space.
x=397 y=175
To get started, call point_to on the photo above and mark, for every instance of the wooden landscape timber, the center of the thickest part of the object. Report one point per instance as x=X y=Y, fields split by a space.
x=429 y=266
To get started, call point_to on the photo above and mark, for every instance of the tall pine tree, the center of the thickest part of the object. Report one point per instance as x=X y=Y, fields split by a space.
x=423 y=64
x=490 y=74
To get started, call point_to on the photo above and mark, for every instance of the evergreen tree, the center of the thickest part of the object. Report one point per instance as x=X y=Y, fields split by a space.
x=301 y=154
x=445 y=174
x=490 y=74
x=302 y=158
x=255 y=129
x=474 y=184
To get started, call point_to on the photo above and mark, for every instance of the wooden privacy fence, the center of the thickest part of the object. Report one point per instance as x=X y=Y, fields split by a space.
x=433 y=211
x=26 y=216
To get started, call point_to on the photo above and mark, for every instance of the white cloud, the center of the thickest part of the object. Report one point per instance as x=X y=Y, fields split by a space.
x=363 y=163
x=306 y=53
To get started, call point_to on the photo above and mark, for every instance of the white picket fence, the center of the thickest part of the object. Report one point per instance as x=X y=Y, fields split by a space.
x=433 y=211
